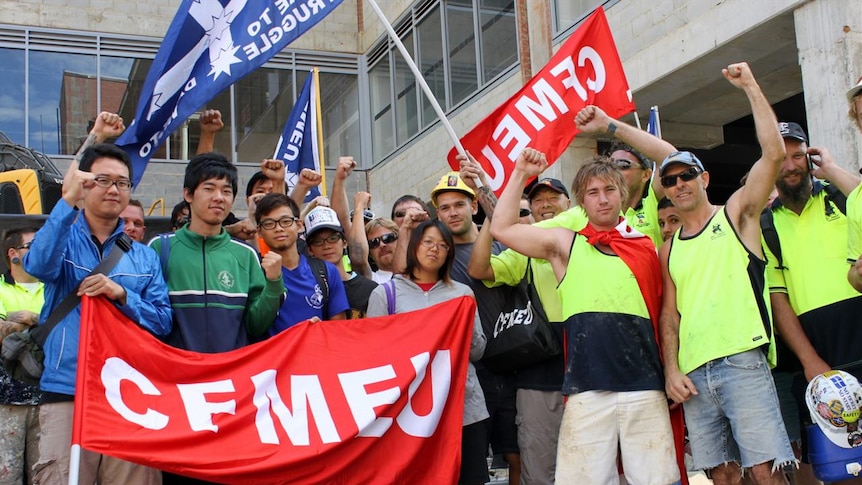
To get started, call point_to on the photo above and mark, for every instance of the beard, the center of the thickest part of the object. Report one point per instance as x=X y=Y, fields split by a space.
x=794 y=194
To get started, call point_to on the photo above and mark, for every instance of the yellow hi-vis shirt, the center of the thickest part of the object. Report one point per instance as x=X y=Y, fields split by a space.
x=721 y=295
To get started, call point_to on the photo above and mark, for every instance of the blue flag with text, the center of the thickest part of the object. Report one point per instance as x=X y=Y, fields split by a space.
x=210 y=45
x=299 y=145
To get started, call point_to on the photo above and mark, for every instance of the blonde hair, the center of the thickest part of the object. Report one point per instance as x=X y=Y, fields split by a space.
x=602 y=168
x=381 y=221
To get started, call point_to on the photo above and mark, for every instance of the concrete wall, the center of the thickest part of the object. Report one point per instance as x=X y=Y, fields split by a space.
x=338 y=32
x=829 y=34
x=672 y=51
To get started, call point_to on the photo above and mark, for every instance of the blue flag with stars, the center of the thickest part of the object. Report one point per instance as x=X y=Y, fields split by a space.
x=210 y=45
x=299 y=145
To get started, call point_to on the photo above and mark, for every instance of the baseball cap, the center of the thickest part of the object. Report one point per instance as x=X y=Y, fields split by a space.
x=321 y=218
x=686 y=158
x=852 y=92
x=449 y=183
x=550 y=183
x=792 y=130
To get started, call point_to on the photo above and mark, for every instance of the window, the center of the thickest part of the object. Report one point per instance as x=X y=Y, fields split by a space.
x=460 y=46
x=74 y=75
x=569 y=12
x=461 y=41
x=12 y=98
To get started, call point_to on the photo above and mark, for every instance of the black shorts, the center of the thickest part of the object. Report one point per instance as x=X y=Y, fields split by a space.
x=474 y=453
x=500 y=392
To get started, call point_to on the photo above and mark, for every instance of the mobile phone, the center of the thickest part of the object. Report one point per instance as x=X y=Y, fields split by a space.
x=810 y=163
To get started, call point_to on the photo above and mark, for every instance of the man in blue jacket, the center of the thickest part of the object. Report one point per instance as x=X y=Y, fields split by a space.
x=63 y=253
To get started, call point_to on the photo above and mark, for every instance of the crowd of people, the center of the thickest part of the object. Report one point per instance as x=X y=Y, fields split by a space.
x=663 y=302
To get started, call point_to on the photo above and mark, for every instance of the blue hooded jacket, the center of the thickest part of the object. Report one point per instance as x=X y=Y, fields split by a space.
x=62 y=254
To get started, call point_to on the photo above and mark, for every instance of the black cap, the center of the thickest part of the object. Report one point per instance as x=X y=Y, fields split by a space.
x=792 y=130
x=550 y=183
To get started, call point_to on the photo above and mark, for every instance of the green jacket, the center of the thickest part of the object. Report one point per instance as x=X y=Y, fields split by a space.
x=218 y=292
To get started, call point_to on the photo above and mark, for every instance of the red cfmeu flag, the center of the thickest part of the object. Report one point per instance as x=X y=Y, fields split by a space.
x=376 y=401
x=585 y=71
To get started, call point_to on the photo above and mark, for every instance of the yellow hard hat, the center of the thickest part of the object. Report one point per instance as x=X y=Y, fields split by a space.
x=451 y=182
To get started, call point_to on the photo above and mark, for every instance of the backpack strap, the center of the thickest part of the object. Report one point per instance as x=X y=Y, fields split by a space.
x=767 y=224
x=318 y=267
x=770 y=235
x=389 y=286
x=164 y=253
x=40 y=332
x=836 y=197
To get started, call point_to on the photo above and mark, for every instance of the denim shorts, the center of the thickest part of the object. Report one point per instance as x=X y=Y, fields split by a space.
x=735 y=417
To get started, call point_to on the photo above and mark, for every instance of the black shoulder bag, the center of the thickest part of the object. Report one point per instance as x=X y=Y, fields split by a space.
x=522 y=335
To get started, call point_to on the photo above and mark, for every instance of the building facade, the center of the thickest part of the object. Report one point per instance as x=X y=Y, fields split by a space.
x=65 y=61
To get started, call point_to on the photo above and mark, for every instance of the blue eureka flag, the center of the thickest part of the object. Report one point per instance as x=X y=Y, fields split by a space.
x=299 y=146
x=210 y=45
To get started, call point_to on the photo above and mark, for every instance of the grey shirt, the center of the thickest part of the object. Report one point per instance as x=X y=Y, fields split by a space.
x=409 y=297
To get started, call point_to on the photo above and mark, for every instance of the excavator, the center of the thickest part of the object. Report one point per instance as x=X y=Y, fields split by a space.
x=30 y=186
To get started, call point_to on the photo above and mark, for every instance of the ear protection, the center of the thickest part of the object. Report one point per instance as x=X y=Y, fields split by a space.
x=16 y=260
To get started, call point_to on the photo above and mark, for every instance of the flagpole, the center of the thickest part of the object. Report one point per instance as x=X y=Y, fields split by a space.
x=421 y=80
x=319 y=125
x=74 y=464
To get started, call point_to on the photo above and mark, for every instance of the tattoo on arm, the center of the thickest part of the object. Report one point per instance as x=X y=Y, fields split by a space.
x=612 y=129
x=487 y=200
x=88 y=142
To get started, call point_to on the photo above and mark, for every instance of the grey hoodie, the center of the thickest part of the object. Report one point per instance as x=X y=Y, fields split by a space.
x=409 y=297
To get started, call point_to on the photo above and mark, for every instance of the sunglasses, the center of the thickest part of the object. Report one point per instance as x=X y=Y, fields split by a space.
x=524 y=213
x=385 y=239
x=687 y=176
x=624 y=164
x=366 y=214
x=23 y=246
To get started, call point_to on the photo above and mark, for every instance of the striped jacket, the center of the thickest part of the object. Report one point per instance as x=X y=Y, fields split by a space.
x=218 y=292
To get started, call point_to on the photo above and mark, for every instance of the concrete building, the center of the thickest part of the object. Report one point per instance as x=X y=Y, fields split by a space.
x=474 y=55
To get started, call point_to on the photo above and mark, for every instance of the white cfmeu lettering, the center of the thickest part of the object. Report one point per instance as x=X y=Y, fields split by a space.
x=371 y=412
x=540 y=105
x=305 y=393
x=114 y=372
x=545 y=95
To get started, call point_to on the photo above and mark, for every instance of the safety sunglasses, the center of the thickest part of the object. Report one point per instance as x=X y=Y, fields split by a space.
x=524 y=213
x=624 y=164
x=687 y=176
x=366 y=214
x=388 y=238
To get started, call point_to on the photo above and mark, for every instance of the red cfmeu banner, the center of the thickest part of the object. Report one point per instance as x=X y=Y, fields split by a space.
x=585 y=71
x=374 y=401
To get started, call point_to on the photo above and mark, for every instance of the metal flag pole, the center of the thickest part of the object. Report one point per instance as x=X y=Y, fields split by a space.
x=421 y=80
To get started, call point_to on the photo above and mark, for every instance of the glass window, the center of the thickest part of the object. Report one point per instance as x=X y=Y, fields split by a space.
x=406 y=111
x=264 y=100
x=132 y=72
x=12 y=95
x=66 y=90
x=381 y=109
x=339 y=99
x=62 y=100
x=430 y=62
x=568 y=12
x=499 y=37
x=463 y=79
